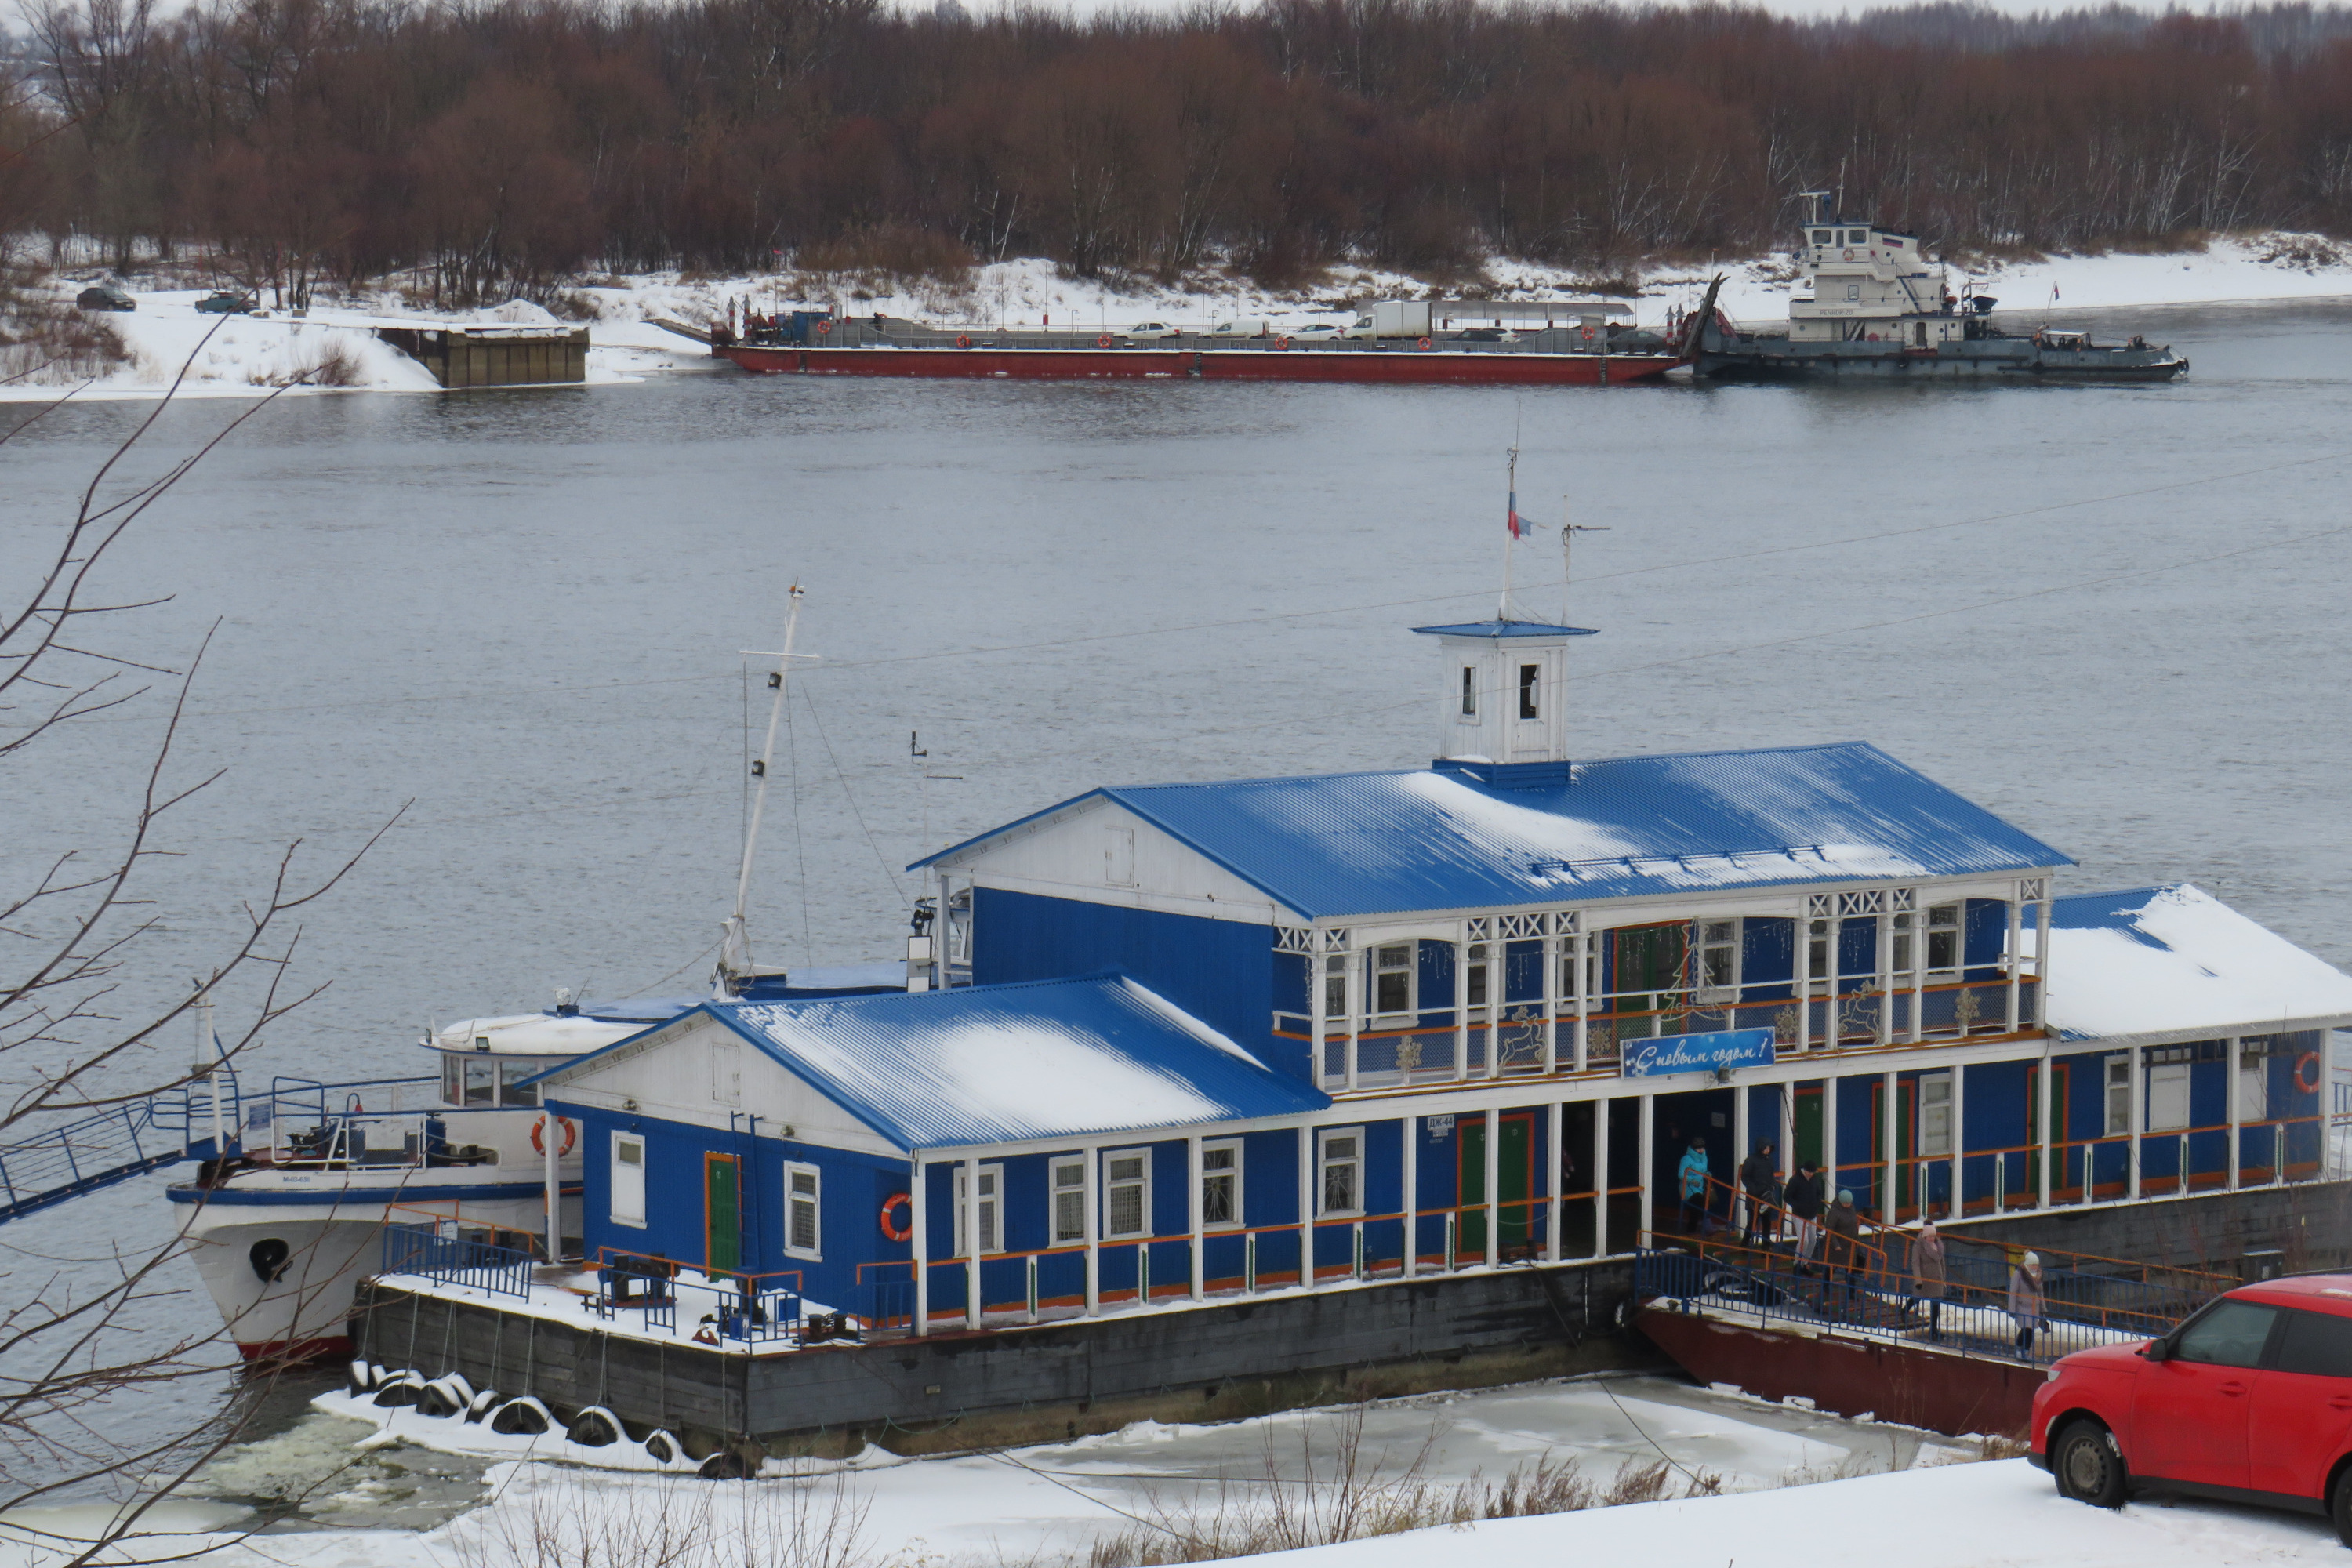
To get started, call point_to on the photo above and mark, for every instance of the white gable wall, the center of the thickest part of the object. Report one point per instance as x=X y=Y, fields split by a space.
x=1100 y=852
x=672 y=1078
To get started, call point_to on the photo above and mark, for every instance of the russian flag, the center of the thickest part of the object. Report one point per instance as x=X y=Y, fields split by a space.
x=1518 y=529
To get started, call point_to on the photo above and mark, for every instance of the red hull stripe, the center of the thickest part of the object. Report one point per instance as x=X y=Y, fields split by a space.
x=327 y=1347
x=1400 y=366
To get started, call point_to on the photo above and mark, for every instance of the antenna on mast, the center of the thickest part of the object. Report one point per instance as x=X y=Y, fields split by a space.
x=1568 y=532
x=734 y=971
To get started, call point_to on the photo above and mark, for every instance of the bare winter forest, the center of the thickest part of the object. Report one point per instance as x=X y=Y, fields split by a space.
x=480 y=145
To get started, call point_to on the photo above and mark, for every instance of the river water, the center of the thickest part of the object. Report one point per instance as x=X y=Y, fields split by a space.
x=2115 y=616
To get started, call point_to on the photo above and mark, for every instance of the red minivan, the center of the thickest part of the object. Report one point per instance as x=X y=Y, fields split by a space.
x=2249 y=1399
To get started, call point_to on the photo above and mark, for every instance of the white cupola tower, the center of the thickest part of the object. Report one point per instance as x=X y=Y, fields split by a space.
x=1505 y=699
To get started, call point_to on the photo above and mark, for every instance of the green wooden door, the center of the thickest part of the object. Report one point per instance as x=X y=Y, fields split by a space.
x=1806 y=1140
x=1514 y=1181
x=722 y=1222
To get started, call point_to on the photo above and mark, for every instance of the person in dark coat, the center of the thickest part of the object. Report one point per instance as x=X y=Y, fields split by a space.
x=1805 y=1208
x=1844 y=1227
x=1760 y=1178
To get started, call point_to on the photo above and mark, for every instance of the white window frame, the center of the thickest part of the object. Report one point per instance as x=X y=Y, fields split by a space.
x=1409 y=969
x=2161 y=1077
x=1936 y=1141
x=1959 y=929
x=1821 y=951
x=613 y=1207
x=814 y=1199
x=1903 y=948
x=1232 y=1174
x=1469 y=693
x=1334 y=988
x=1065 y=1179
x=726 y=1072
x=1709 y=990
x=1478 y=974
x=1531 y=693
x=2116 y=1114
x=991 y=1204
x=2253 y=1084
x=1325 y=1163
x=1110 y=1189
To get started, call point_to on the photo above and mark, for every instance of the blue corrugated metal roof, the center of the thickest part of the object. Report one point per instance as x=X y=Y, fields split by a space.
x=998 y=1064
x=1505 y=629
x=1348 y=844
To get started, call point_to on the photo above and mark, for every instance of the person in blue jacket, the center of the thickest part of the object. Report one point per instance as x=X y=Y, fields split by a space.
x=1690 y=1182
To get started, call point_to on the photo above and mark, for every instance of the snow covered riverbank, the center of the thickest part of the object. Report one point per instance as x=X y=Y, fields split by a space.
x=246 y=356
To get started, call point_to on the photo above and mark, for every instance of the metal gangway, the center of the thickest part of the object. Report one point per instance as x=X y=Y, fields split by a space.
x=190 y=1121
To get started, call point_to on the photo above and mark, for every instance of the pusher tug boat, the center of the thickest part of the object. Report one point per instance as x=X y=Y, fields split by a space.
x=283 y=1224
x=1873 y=306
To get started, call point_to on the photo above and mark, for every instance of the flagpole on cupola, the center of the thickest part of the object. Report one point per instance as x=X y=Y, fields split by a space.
x=1510 y=536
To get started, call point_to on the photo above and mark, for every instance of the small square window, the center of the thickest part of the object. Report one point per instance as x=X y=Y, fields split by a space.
x=803 y=1212
x=1719 y=954
x=2118 y=1103
x=1944 y=938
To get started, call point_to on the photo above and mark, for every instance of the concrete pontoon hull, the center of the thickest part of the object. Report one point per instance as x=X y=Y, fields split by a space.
x=1401 y=366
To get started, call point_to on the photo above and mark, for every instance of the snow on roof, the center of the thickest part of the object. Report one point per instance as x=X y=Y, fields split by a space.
x=999 y=1064
x=1381 y=843
x=2176 y=962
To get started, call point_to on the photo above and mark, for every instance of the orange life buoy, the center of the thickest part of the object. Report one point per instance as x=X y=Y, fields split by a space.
x=1587 y=332
x=897 y=1232
x=1424 y=342
x=1849 y=253
x=2308 y=1059
x=823 y=328
x=964 y=340
x=1103 y=342
x=1282 y=344
x=539 y=1139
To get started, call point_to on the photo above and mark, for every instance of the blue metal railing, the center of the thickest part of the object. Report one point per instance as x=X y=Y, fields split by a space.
x=70 y=1158
x=430 y=1251
x=1967 y=1316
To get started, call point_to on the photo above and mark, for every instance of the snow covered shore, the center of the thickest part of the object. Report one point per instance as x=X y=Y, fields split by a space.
x=246 y=356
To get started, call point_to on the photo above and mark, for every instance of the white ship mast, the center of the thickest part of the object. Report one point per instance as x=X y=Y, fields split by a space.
x=734 y=971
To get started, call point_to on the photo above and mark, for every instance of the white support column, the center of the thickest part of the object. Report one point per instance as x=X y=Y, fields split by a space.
x=1461 y=1006
x=1555 y=1151
x=2043 y=1125
x=1829 y=1139
x=1890 y=1127
x=2233 y=1108
x=1200 y=1220
x=968 y=1222
x=2015 y=989
x=1883 y=980
x=1959 y=1138
x=1318 y=1024
x=919 y=1224
x=2139 y=1121
x=1649 y=1195
x=1739 y=1152
x=1360 y=1001
x=2042 y=963
x=1551 y=954
x=1411 y=1204
x=1918 y=972
x=1580 y=945
x=1601 y=1177
x=551 y=1131
x=1494 y=1180
x=1305 y=1208
x=1804 y=981
x=1094 y=1229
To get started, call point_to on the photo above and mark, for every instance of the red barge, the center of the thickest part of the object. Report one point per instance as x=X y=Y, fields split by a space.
x=1570 y=344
